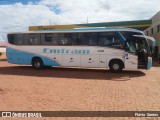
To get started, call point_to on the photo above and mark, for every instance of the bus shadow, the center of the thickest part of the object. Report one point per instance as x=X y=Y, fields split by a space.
x=156 y=64
x=3 y=59
x=70 y=73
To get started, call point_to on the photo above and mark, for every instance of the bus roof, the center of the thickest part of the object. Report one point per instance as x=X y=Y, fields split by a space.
x=88 y=29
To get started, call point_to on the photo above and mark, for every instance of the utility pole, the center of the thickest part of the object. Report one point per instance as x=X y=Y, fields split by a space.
x=87 y=19
x=50 y=22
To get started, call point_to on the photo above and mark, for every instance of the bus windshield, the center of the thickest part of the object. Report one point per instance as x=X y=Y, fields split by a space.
x=138 y=44
x=134 y=43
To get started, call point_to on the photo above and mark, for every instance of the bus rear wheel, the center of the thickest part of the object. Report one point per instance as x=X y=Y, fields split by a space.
x=116 y=66
x=37 y=63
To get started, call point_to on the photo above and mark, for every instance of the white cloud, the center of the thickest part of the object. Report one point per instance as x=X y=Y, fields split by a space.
x=18 y=17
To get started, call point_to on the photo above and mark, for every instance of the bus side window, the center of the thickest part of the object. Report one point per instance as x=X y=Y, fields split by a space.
x=18 y=39
x=108 y=39
x=65 y=39
x=93 y=39
x=74 y=38
x=87 y=39
x=26 y=39
x=55 y=39
x=11 y=38
x=47 y=39
x=81 y=40
x=34 y=39
x=105 y=39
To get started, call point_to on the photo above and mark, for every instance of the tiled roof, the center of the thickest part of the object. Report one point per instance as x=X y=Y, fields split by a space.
x=2 y=44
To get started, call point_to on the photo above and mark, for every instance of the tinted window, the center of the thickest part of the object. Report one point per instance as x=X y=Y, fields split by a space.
x=26 y=39
x=48 y=38
x=32 y=39
x=11 y=38
x=131 y=46
x=55 y=39
x=152 y=31
x=18 y=39
x=65 y=39
x=147 y=33
x=87 y=38
x=74 y=38
x=108 y=39
x=129 y=35
x=158 y=28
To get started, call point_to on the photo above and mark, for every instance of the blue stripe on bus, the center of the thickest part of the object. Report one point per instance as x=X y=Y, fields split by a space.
x=20 y=57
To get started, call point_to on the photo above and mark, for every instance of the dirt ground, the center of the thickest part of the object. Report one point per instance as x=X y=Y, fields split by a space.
x=23 y=88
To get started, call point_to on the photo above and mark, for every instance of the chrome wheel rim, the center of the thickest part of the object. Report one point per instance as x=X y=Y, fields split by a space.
x=37 y=64
x=115 y=66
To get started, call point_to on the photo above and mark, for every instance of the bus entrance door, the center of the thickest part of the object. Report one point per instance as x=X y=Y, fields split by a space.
x=131 y=61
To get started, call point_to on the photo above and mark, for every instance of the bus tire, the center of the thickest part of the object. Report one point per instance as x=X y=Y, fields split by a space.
x=116 y=66
x=37 y=63
x=47 y=66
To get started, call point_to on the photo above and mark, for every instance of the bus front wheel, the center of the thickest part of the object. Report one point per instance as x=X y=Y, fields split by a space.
x=116 y=66
x=37 y=63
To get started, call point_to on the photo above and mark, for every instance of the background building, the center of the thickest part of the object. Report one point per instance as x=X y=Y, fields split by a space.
x=154 y=31
x=141 y=25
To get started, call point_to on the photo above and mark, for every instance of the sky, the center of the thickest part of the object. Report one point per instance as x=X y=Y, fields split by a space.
x=17 y=15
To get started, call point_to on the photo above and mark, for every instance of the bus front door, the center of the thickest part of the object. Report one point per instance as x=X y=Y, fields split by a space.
x=131 y=61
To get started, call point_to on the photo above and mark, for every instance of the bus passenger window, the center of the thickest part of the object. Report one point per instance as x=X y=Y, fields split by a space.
x=82 y=39
x=18 y=39
x=74 y=38
x=105 y=39
x=55 y=39
x=87 y=39
x=11 y=38
x=26 y=39
x=65 y=39
x=93 y=39
x=34 y=39
x=48 y=38
x=108 y=39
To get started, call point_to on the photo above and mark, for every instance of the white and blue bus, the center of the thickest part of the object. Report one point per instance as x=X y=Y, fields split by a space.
x=113 y=48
